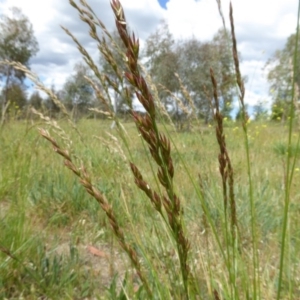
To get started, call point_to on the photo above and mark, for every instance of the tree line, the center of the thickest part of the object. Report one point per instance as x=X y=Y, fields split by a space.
x=179 y=70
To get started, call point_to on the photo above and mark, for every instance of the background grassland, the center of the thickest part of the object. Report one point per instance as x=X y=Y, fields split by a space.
x=216 y=217
x=48 y=222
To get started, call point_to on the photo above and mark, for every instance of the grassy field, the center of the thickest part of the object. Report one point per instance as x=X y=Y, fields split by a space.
x=144 y=211
x=56 y=242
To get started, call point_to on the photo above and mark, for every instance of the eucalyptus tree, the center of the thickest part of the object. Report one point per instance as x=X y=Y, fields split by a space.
x=35 y=100
x=112 y=65
x=224 y=71
x=162 y=62
x=50 y=105
x=16 y=94
x=78 y=94
x=281 y=69
x=196 y=60
x=17 y=43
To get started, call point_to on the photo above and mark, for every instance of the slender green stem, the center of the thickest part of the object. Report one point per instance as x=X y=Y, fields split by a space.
x=289 y=170
x=253 y=217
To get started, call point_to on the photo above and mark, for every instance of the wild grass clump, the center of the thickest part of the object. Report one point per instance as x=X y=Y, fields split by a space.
x=199 y=216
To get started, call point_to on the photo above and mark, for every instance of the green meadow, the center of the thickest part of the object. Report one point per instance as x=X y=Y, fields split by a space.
x=187 y=206
x=57 y=243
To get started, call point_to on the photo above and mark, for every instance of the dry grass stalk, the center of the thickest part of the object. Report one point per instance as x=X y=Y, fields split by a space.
x=216 y=295
x=88 y=16
x=40 y=86
x=103 y=87
x=158 y=104
x=159 y=145
x=179 y=102
x=55 y=127
x=203 y=195
x=189 y=109
x=30 y=75
x=8 y=253
x=241 y=86
x=239 y=78
x=209 y=97
x=108 y=109
x=90 y=62
x=225 y=166
x=113 y=145
x=221 y=13
x=184 y=108
x=86 y=182
x=187 y=96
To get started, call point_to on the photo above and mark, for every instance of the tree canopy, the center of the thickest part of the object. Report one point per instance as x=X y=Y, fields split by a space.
x=78 y=93
x=192 y=60
x=281 y=69
x=17 y=43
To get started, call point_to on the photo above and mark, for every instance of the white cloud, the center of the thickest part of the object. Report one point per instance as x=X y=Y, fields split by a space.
x=261 y=25
x=261 y=28
x=190 y=18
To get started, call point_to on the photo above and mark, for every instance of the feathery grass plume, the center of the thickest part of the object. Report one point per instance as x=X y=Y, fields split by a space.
x=81 y=172
x=86 y=182
x=187 y=96
x=55 y=127
x=180 y=104
x=225 y=166
x=108 y=110
x=30 y=75
x=113 y=145
x=88 y=16
x=209 y=97
x=159 y=145
x=102 y=79
x=189 y=108
x=158 y=103
x=40 y=86
x=226 y=172
x=239 y=79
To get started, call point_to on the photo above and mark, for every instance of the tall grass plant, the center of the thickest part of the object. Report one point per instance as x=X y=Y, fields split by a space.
x=210 y=214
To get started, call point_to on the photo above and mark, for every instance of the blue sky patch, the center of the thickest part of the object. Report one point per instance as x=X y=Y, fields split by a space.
x=163 y=3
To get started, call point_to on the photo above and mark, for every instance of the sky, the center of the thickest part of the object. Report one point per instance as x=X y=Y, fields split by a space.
x=262 y=27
